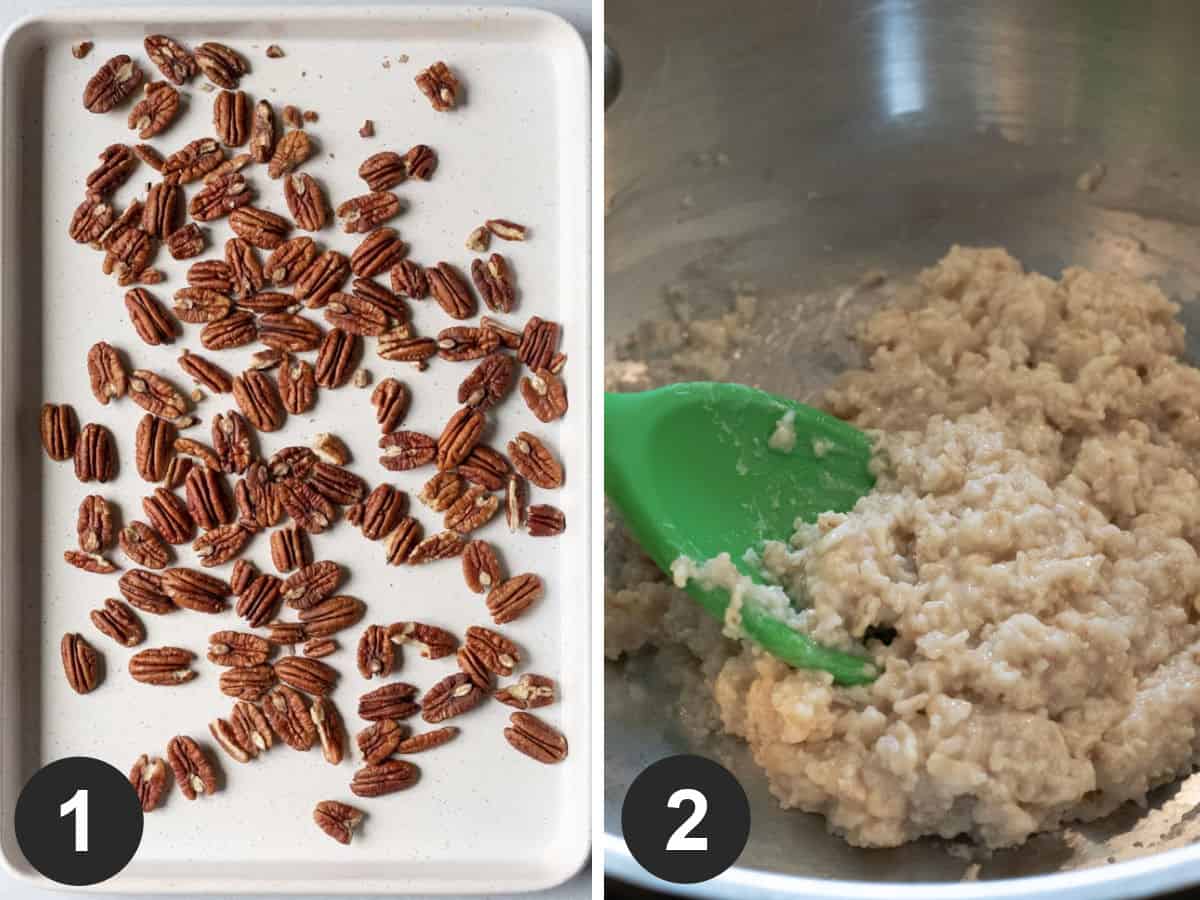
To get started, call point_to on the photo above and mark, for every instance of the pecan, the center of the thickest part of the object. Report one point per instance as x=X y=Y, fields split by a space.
x=211 y=376
x=463 y=342
x=144 y=546
x=258 y=227
x=539 y=341
x=289 y=716
x=378 y=252
x=185 y=242
x=59 y=430
x=383 y=170
x=318 y=648
x=251 y=723
x=331 y=615
x=106 y=372
x=81 y=663
x=249 y=683
x=112 y=83
x=488 y=382
x=530 y=692
x=441 y=491
x=330 y=448
x=117 y=163
x=232 y=442
x=155 y=445
x=154 y=112
x=330 y=730
x=169 y=515
x=336 y=358
x=233 y=738
x=201 y=305
x=95 y=454
x=262 y=132
x=297 y=386
x=452 y=696
x=473 y=668
x=288 y=331
x=194 y=771
x=94 y=524
x=431 y=641
x=90 y=220
x=259 y=602
x=194 y=160
x=543 y=520
x=443 y=545
x=338 y=820
x=494 y=282
x=307 y=507
x=376 y=655
x=231 y=117
x=532 y=459
x=305 y=200
x=290 y=259
x=219 y=197
x=177 y=470
x=238 y=649
x=242 y=259
x=451 y=291
x=459 y=437
x=119 y=622
x=128 y=255
x=379 y=740
x=149 y=779
x=317 y=283
x=89 y=562
x=220 y=64
x=368 y=291
x=420 y=162
x=440 y=85
x=396 y=700
x=162 y=666
x=149 y=318
x=221 y=544
x=149 y=156
x=493 y=650
x=292 y=462
x=258 y=399
x=388 y=777
x=481 y=567
x=292 y=117
x=336 y=484
x=243 y=573
x=506 y=230
x=537 y=740
x=309 y=675
x=403 y=450
x=212 y=274
x=290 y=549
x=156 y=395
x=402 y=540
x=418 y=743
x=290 y=153
x=545 y=395
x=510 y=598
x=257 y=502
x=131 y=217
x=508 y=337
x=206 y=497
x=195 y=590
x=270 y=303
x=390 y=399
x=398 y=345
x=171 y=58
x=143 y=590
x=477 y=242
x=312 y=584
x=472 y=510
x=409 y=280
x=364 y=213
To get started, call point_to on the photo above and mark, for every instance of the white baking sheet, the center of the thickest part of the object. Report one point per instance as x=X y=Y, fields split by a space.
x=483 y=818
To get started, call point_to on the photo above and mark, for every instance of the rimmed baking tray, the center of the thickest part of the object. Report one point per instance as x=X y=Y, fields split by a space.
x=483 y=818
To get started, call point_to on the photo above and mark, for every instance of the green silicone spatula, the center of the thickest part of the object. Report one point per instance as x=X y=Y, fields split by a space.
x=690 y=468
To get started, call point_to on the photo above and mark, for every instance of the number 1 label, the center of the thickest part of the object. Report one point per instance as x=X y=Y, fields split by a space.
x=78 y=806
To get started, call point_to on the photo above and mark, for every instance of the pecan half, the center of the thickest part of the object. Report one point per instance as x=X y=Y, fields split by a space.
x=106 y=373
x=420 y=162
x=452 y=696
x=243 y=573
x=289 y=332
x=378 y=252
x=419 y=743
x=154 y=447
x=336 y=484
x=331 y=732
x=232 y=442
x=290 y=259
x=489 y=382
x=506 y=230
x=171 y=57
x=378 y=741
x=539 y=342
x=290 y=549
x=144 y=545
x=262 y=132
x=383 y=170
x=330 y=448
x=441 y=491
x=309 y=675
x=221 y=65
x=177 y=470
x=194 y=160
x=289 y=716
x=390 y=399
x=464 y=342
x=403 y=450
x=169 y=515
x=185 y=242
x=149 y=779
x=388 y=777
x=231 y=117
x=156 y=395
x=409 y=280
x=258 y=227
x=432 y=642
x=219 y=197
x=238 y=649
x=260 y=601
x=331 y=615
x=396 y=700
x=494 y=651
x=472 y=510
x=95 y=454
x=195 y=590
x=162 y=666
x=128 y=256
x=532 y=459
x=249 y=684
x=361 y=214
x=257 y=502
x=235 y=163
x=206 y=501
x=112 y=83
x=312 y=584
x=368 y=291
x=155 y=111
x=290 y=153
x=376 y=655
x=319 y=648
x=250 y=721
x=194 y=771
x=545 y=395
x=221 y=544
x=494 y=281
x=143 y=590
x=338 y=820
x=537 y=740
x=292 y=462
x=201 y=305
x=530 y=692
x=258 y=399
x=89 y=562
x=297 y=385
x=336 y=358
x=508 y=337
x=233 y=739
x=443 y=545
x=59 y=430
x=515 y=496
x=322 y=279
x=81 y=663
x=481 y=567
x=90 y=220
x=119 y=622
x=398 y=345
x=242 y=259
x=459 y=437
x=543 y=520
x=305 y=200
x=402 y=541
x=451 y=291
x=511 y=598
x=307 y=507
x=440 y=85
x=212 y=274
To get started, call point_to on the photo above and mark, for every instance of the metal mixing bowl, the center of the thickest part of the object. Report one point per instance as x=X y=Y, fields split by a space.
x=797 y=145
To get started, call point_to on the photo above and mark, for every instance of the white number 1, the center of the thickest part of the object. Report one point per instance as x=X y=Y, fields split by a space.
x=681 y=838
x=78 y=805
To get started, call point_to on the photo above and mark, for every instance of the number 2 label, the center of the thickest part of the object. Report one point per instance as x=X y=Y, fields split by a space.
x=681 y=838
x=78 y=806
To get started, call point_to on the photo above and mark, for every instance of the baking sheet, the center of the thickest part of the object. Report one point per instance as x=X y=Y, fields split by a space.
x=483 y=818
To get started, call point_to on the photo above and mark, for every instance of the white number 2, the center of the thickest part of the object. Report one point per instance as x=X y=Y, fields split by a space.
x=78 y=806
x=681 y=838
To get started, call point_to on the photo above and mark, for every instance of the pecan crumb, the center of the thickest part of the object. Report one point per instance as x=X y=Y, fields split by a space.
x=274 y=51
x=367 y=130
x=478 y=240
x=362 y=378
x=82 y=49
x=310 y=115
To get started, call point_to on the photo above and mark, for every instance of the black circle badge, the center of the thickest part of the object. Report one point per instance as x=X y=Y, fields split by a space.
x=78 y=821
x=686 y=819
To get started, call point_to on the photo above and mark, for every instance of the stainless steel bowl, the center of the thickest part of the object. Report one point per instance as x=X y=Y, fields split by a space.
x=797 y=145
